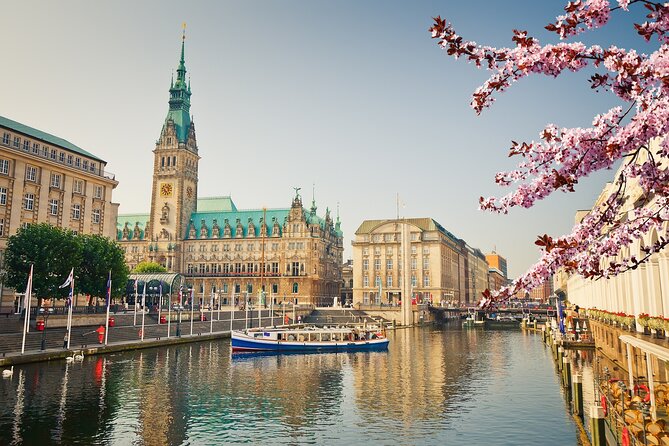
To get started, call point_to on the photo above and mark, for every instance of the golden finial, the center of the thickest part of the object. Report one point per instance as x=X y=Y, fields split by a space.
x=183 y=37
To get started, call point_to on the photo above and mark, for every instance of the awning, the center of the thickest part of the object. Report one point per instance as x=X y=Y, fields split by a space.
x=646 y=347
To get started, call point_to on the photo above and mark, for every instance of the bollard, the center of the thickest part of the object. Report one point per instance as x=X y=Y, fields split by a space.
x=597 y=426
x=566 y=372
x=558 y=357
x=577 y=385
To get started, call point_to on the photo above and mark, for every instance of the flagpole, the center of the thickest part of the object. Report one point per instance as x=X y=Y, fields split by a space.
x=134 y=318
x=211 y=311
x=26 y=307
x=69 y=311
x=169 y=312
x=108 y=304
x=192 y=307
x=160 y=299
x=143 y=309
x=232 y=309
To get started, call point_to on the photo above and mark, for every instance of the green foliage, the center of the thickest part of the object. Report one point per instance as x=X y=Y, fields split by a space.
x=53 y=252
x=149 y=267
x=99 y=256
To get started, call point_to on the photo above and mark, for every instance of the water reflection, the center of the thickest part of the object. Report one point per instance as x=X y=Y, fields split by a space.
x=433 y=385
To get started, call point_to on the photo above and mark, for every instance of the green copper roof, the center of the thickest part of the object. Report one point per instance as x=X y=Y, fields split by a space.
x=141 y=220
x=46 y=137
x=180 y=93
x=216 y=204
x=245 y=218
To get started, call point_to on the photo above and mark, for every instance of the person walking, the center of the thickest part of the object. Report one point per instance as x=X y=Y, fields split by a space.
x=65 y=340
x=101 y=334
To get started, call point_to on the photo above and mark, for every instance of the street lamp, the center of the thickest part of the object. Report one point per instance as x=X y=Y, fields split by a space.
x=178 y=308
x=45 y=312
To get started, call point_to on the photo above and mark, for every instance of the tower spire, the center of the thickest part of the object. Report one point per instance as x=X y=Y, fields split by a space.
x=313 y=198
x=180 y=93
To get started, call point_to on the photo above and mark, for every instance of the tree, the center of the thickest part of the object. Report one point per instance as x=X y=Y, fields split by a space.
x=100 y=255
x=53 y=252
x=564 y=155
x=149 y=267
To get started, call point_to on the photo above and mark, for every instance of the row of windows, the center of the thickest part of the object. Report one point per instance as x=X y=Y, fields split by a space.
x=292 y=268
x=237 y=287
x=29 y=205
x=171 y=161
x=389 y=264
x=389 y=281
x=389 y=237
x=46 y=152
x=390 y=250
x=57 y=179
x=239 y=247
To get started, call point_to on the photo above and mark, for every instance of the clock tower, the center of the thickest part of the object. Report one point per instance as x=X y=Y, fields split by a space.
x=175 y=174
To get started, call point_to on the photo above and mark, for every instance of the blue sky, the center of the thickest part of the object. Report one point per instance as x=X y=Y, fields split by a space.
x=352 y=96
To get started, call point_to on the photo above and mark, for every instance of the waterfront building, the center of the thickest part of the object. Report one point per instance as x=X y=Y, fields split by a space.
x=543 y=292
x=641 y=290
x=439 y=264
x=347 y=282
x=496 y=279
x=47 y=179
x=477 y=274
x=497 y=262
x=290 y=254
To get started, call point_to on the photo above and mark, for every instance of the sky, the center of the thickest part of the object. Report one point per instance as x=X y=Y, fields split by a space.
x=350 y=99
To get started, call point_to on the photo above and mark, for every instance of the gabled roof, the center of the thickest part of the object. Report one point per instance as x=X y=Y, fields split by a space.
x=46 y=137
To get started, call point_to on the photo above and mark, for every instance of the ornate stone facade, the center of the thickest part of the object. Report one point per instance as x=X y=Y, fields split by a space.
x=291 y=253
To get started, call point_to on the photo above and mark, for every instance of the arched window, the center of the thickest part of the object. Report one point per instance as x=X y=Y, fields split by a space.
x=249 y=287
x=295 y=288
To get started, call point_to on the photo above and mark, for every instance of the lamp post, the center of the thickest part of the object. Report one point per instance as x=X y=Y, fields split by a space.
x=45 y=312
x=178 y=308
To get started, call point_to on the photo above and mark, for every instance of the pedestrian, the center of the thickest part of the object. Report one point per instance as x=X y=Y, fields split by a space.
x=299 y=319
x=101 y=334
x=65 y=340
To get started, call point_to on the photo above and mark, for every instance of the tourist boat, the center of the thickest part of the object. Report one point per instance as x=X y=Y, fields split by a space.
x=309 y=339
x=474 y=318
x=502 y=321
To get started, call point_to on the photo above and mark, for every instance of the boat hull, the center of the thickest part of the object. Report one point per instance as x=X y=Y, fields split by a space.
x=244 y=344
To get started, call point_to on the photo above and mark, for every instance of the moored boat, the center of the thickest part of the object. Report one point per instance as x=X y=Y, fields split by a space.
x=308 y=339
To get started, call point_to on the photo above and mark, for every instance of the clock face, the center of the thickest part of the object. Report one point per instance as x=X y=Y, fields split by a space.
x=189 y=192
x=166 y=190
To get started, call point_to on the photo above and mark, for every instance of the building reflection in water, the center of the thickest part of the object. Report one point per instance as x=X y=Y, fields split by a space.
x=429 y=381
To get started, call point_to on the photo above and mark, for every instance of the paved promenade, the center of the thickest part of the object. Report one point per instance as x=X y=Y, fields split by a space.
x=123 y=336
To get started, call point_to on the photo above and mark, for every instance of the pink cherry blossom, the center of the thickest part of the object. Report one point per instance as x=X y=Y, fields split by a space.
x=562 y=156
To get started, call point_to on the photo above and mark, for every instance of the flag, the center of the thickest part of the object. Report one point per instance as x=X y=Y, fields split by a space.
x=69 y=280
x=108 y=289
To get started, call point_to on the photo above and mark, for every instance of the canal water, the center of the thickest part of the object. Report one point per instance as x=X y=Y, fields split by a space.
x=442 y=385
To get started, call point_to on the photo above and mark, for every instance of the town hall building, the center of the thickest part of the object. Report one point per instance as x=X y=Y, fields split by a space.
x=272 y=255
